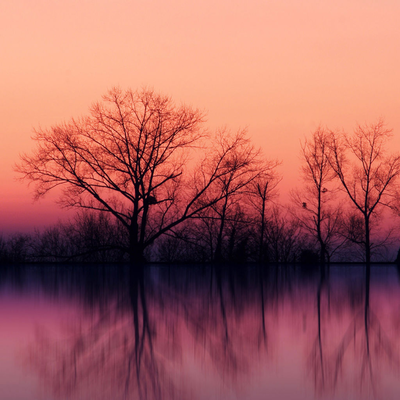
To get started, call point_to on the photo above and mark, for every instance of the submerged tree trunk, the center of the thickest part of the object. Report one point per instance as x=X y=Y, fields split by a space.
x=136 y=248
x=136 y=255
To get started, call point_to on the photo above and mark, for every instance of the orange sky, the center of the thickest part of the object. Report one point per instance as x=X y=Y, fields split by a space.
x=278 y=67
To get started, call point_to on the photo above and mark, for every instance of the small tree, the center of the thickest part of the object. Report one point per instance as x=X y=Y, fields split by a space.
x=242 y=163
x=284 y=239
x=261 y=191
x=314 y=203
x=366 y=172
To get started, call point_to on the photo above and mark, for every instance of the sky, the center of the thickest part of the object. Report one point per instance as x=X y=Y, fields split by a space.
x=279 y=68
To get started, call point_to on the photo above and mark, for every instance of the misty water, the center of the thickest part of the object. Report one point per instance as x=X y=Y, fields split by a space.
x=193 y=332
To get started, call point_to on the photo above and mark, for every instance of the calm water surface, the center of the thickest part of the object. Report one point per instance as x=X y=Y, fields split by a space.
x=96 y=332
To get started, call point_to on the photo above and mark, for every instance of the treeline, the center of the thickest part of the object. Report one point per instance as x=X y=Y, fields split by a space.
x=152 y=184
x=94 y=238
x=89 y=237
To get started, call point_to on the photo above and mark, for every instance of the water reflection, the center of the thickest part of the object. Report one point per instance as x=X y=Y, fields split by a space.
x=201 y=333
x=353 y=349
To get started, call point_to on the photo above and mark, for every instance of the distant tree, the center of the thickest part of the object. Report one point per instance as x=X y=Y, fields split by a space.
x=51 y=244
x=88 y=237
x=130 y=158
x=16 y=248
x=261 y=192
x=367 y=174
x=317 y=208
x=237 y=234
x=284 y=239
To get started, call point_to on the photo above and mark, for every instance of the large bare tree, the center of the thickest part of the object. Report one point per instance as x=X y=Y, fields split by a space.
x=367 y=172
x=130 y=157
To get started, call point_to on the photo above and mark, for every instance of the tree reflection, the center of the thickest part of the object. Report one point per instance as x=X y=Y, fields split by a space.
x=132 y=346
x=373 y=347
x=357 y=357
x=111 y=356
x=160 y=333
x=317 y=353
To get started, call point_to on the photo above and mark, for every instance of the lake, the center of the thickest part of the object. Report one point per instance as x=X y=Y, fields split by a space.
x=199 y=332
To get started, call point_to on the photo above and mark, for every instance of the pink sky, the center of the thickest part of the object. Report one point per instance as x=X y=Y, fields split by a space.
x=278 y=67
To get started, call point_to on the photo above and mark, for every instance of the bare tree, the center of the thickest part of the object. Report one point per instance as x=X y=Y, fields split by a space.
x=130 y=158
x=283 y=237
x=261 y=191
x=16 y=248
x=314 y=202
x=222 y=225
x=367 y=173
x=242 y=164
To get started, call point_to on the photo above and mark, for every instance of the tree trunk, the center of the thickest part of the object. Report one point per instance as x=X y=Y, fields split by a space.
x=322 y=254
x=136 y=250
x=367 y=242
x=262 y=230
x=218 y=248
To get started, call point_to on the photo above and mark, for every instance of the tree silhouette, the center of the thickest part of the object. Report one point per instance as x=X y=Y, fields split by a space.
x=314 y=201
x=368 y=176
x=130 y=158
x=242 y=164
x=135 y=341
x=261 y=191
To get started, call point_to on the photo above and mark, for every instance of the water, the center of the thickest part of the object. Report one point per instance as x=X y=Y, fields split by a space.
x=101 y=332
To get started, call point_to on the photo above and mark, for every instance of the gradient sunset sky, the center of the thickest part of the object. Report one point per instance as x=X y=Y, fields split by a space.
x=278 y=67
